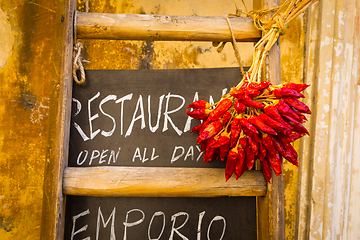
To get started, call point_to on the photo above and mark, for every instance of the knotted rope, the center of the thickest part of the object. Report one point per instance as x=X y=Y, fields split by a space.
x=77 y=63
x=272 y=22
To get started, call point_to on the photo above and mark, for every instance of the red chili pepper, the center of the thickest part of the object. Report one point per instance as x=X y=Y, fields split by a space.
x=204 y=124
x=250 y=157
x=295 y=103
x=254 y=136
x=262 y=150
x=210 y=142
x=203 y=145
x=235 y=131
x=281 y=149
x=255 y=120
x=265 y=163
x=243 y=142
x=287 y=92
x=223 y=139
x=246 y=125
x=297 y=127
x=210 y=152
x=254 y=145
x=209 y=131
x=244 y=91
x=224 y=149
x=259 y=86
x=239 y=107
x=199 y=104
x=292 y=136
x=286 y=112
x=200 y=114
x=300 y=115
x=288 y=147
x=247 y=101
x=266 y=169
x=277 y=126
x=197 y=128
x=296 y=86
x=209 y=155
x=226 y=118
x=232 y=161
x=273 y=155
x=241 y=166
x=220 y=109
x=273 y=112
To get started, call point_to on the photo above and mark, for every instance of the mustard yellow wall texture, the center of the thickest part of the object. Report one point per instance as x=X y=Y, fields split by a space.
x=26 y=72
x=26 y=30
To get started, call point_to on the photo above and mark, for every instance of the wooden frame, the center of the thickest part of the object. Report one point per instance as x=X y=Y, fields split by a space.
x=59 y=179
x=53 y=212
x=163 y=27
x=149 y=182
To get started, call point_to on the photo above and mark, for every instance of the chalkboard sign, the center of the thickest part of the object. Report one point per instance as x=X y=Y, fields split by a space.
x=138 y=118
x=160 y=218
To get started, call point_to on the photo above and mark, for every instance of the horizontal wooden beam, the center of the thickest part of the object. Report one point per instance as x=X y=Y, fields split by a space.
x=160 y=182
x=163 y=28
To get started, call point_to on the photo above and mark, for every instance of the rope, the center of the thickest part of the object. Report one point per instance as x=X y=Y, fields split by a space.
x=77 y=64
x=236 y=50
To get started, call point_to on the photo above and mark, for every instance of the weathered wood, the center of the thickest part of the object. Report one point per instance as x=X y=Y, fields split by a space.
x=53 y=211
x=277 y=196
x=163 y=28
x=271 y=220
x=160 y=182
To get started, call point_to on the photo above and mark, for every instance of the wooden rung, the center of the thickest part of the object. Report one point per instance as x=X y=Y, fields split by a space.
x=160 y=182
x=163 y=28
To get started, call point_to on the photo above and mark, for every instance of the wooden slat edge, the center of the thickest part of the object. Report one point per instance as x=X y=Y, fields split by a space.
x=53 y=210
x=163 y=28
x=160 y=182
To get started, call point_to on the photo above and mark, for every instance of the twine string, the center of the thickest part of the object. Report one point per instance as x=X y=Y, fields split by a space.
x=235 y=47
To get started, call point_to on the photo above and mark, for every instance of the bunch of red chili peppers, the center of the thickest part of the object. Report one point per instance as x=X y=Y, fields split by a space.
x=254 y=121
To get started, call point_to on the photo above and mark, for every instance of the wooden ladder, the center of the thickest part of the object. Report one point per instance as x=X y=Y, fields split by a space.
x=61 y=180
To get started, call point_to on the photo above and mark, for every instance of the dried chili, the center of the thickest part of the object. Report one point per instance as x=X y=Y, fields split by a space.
x=295 y=103
x=220 y=109
x=200 y=114
x=239 y=107
x=296 y=86
x=259 y=86
x=199 y=104
x=235 y=131
x=255 y=120
x=247 y=101
x=209 y=131
x=287 y=92
x=286 y=112
x=273 y=112
x=277 y=126
x=272 y=154
x=231 y=162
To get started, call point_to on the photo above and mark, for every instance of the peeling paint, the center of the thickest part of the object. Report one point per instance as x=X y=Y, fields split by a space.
x=339 y=48
x=327 y=41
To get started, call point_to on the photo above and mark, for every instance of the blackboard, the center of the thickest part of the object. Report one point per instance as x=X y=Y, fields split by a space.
x=160 y=218
x=111 y=111
x=111 y=126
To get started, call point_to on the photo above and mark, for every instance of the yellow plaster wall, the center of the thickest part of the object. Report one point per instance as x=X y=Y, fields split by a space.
x=26 y=29
x=26 y=46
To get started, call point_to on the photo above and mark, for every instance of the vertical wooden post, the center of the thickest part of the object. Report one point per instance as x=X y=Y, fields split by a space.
x=272 y=205
x=52 y=222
